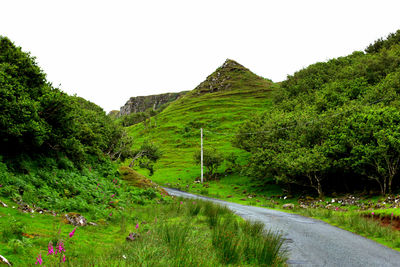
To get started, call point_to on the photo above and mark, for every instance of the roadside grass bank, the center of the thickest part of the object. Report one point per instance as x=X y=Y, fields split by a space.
x=174 y=232
x=359 y=222
x=371 y=217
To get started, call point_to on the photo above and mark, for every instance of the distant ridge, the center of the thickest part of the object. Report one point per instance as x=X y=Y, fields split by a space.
x=142 y=103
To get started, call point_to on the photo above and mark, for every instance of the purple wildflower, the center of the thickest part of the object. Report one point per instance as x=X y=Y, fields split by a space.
x=39 y=259
x=60 y=247
x=63 y=259
x=137 y=225
x=72 y=233
x=50 y=249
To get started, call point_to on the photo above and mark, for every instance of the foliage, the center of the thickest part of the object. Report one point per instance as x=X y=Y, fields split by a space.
x=166 y=237
x=211 y=160
x=334 y=125
x=37 y=118
x=147 y=155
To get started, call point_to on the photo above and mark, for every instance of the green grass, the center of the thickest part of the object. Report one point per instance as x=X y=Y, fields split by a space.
x=174 y=233
x=219 y=113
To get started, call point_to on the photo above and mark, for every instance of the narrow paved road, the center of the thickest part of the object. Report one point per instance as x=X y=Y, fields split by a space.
x=313 y=242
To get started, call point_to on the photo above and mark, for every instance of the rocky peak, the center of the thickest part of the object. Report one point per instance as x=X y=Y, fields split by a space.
x=223 y=78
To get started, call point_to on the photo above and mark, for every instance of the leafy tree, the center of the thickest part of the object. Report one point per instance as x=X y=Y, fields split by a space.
x=212 y=159
x=334 y=124
x=37 y=118
x=147 y=155
x=375 y=136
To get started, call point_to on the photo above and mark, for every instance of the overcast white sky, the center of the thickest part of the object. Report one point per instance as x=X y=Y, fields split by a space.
x=108 y=51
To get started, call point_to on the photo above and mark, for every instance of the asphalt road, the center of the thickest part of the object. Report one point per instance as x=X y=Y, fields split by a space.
x=312 y=242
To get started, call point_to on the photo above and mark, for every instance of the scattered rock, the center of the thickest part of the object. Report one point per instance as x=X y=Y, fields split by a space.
x=25 y=208
x=229 y=196
x=3 y=204
x=243 y=199
x=76 y=219
x=4 y=261
x=92 y=223
x=288 y=206
x=132 y=236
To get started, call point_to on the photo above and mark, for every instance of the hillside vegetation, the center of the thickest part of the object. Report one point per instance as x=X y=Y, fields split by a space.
x=226 y=98
x=331 y=127
x=334 y=126
x=64 y=201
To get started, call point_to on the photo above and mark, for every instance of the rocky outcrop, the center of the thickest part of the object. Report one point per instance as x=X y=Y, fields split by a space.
x=142 y=103
x=230 y=76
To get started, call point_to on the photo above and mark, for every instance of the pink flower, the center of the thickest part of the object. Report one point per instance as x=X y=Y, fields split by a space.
x=60 y=247
x=110 y=214
x=113 y=195
x=373 y=213
x=50 y=249
x=111 y=202
x=39 y=259
x=392 y=214
x=181 y=202
x=337 y=208
x=72 y=233
x=137 y=226
x=63 y=258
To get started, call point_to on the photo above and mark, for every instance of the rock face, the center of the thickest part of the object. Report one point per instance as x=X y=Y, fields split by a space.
x=142 y=103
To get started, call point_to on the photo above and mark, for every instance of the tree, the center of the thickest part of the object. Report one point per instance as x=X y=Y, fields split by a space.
x=147 y=155
x=375 y=136
x=211 y=160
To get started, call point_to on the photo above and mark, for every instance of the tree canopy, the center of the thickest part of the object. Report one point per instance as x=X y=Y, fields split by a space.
x=334 y=125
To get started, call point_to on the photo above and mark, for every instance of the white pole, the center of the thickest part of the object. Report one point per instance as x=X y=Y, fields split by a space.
x=201 y=157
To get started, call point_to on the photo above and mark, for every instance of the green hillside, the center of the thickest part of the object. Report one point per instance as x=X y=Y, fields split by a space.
x=220 y=104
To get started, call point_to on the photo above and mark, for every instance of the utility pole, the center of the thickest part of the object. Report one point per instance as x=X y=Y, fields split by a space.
x=201 y=155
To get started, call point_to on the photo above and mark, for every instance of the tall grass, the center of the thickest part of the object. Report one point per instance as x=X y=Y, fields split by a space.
x=248 y=241
x=201 y=234
x=174 y=235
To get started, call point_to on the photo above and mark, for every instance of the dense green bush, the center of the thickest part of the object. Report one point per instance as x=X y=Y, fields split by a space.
x=36 y=118
x=334 y=125
x=56 y=149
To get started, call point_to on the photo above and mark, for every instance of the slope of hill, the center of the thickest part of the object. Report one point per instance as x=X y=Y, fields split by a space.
x=225 y=99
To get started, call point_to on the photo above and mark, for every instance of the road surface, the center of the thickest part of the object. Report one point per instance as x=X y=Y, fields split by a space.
x=312 y=242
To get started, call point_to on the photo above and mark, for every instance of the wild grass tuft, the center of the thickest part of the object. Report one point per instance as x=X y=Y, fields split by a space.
x=174 y=235
x=193 y=208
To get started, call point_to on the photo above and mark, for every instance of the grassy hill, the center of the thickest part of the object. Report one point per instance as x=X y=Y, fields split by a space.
x=230 y=95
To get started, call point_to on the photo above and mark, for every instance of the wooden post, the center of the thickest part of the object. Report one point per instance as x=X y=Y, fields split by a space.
x=201 y=157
